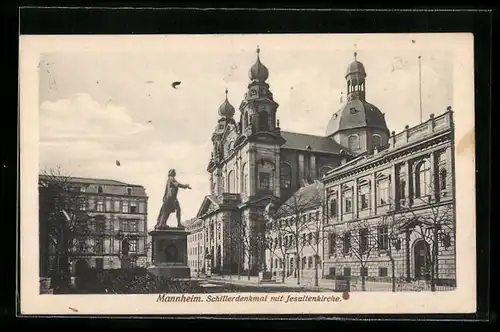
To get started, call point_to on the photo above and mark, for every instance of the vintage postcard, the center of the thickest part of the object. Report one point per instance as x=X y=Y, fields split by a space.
x=247 y=174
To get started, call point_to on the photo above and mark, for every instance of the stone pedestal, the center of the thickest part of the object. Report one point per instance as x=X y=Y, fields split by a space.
x=169 y=253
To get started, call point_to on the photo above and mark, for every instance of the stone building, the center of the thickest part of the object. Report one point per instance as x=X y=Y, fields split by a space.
x=117 y=234
x=254 y=163
x=195 y=244
x=389 y=203
x=295 y=234
x=395 y=204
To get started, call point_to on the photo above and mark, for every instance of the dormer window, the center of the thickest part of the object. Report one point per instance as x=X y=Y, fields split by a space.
x=129 y=191
x=99 y=189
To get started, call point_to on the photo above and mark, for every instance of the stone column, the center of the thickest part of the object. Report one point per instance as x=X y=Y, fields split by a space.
x=355 y=198
x=409 y=183
x=393 y=188
x=373 y=193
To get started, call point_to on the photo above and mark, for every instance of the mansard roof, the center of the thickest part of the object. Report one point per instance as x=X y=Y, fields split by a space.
x=305 y=142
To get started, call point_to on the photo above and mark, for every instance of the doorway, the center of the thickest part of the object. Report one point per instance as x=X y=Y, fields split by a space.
x=420 y=254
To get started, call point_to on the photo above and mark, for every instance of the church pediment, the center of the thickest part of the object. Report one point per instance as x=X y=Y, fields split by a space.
x=209 y=204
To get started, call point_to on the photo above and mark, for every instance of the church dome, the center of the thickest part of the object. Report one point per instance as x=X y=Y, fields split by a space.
x=356 y=68
x=356 y=114
x=258 y=72
x=226 y=110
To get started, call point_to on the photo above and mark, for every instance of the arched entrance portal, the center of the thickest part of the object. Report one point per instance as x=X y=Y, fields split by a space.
x=421 y=257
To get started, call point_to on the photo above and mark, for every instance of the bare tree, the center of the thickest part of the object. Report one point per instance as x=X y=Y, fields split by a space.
x=359 y=241
x=433 y=220
x=430 y=212
x=276 y=245
x=246 y=241
x=386 y=235
x=296 y=222
x=64 y=223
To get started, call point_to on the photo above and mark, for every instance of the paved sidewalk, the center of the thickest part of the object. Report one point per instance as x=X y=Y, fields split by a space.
x=307 y=283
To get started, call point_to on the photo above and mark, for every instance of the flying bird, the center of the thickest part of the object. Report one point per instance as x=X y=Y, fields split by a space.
x=118 y=163
x=176 y=84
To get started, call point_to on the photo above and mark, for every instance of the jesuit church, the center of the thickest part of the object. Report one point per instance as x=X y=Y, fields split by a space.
x=255 y=163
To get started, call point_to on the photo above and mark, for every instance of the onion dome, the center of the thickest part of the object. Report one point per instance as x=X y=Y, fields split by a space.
x=226 y=110
x=258 y=72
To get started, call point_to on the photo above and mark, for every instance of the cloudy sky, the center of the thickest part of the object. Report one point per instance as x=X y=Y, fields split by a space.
x=97 y=107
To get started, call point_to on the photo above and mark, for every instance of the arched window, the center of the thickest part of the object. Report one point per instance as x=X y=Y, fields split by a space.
x=286 y=176
x=353 y=142
x=263 y=121
x=99 y=189
x=422 y=179
x=244 y=179
x=376 y=141
x=230 y=182
x=442 y=179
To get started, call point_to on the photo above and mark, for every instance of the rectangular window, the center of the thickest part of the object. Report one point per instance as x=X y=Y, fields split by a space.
x=98 y=246
x=332 y=271
x=348 y=201
x=363 y=271
x=383 y=238
x=363 y=240
x=264 y=180
x=129 y=225
x=132 y=245
x=83 y=206
x=364 y=196
x=125 y=207
x=332 y=239
x=82 y=245
x=117 y=206
x=347 y=242
x=133 y=208
x=383 y=192
x=382 y=272
x=347 y=271
x=99 y=263
x=100 y=206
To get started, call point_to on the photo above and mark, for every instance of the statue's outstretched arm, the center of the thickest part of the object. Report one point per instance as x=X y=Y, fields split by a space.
x=181 y=185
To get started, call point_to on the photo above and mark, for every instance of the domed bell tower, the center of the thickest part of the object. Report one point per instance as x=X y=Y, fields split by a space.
x=226 y=113
x=258 y=109
x=358 y=125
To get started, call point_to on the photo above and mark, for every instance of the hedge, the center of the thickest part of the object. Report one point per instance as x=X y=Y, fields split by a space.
x=131 y=281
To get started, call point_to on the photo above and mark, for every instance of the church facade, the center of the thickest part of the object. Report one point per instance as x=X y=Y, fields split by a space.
x=387 y=201
x=254 y=163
